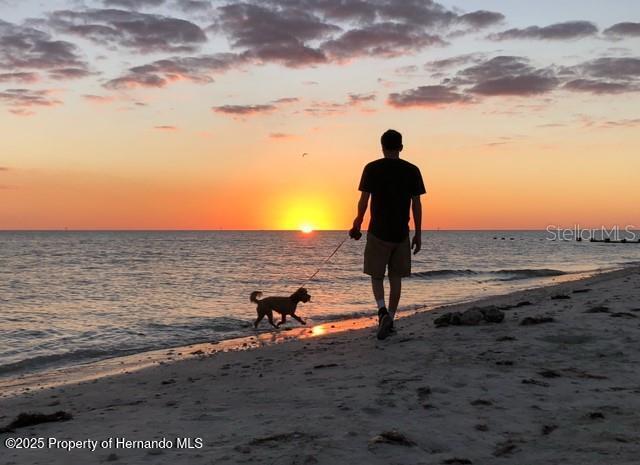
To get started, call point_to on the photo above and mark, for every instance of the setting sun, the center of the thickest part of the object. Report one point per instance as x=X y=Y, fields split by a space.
x=306 y=228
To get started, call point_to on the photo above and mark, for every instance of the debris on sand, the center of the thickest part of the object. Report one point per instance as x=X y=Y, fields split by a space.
x=548 y=429
x=471 y=317
x=536 y=320
x=504 y=448
x=598 y=309
x=392 y=437
x=560 y=297
x=29 y=419
x=457 y=461
x=275 y=439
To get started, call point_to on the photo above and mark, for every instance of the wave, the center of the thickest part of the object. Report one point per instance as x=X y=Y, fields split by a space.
x=497 y=275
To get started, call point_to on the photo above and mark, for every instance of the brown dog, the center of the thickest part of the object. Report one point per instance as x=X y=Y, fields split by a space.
x=283 y=305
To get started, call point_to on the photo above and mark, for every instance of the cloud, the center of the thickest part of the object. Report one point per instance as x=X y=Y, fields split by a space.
x=354 y=100
x=266 y=35
x=454 y=61
x=559 y=31
x=21 y=101
x=133 y=4
x=99 y=99
x=252 y=110
x=383 y=40
x=621 y=30
x=166 y=128
x=612 y=67
x=69 y=73
x=4 y=168
x=599 y=87
x=244 y=110
x=623 y=123
x=606 y=75
x=361 y=98
x=427 y=96
x=481 y=19
x=281 y=135
x=507 y=75
x=197 y=69
x=23 y=77
x=142 y=32
x=193 y=5
x=25 y=48
x=298 y=33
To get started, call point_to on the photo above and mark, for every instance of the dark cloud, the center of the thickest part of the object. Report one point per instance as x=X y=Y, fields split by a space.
x=69 y=73
x=250 y=110
x=361 y=98
x=21 y=101
x=623 y=123
x=624 y=68
x=452 y=62
x=244 y=110
x=198 y=69
x=507 y=75
x=606 y=75
x=23 y=77
x=308 y=32
x=481 y=19
x=382 y=40
x=427 y=96
x=523 y=85
x=133 y=4
x=267 y=35
x=25 y=48
x=139 y=31
x=558 y=31
x=621 y=30
x=599 y=87
x=4 y=168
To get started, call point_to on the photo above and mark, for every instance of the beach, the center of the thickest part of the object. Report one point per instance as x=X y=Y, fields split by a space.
x=560 y=391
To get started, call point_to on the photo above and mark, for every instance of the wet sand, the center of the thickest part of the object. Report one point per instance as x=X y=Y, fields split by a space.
x=564 y=391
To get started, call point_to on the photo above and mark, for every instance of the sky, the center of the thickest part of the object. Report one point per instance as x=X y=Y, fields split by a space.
x=190 y=114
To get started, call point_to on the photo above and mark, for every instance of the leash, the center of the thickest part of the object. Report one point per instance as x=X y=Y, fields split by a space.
x=324 y=262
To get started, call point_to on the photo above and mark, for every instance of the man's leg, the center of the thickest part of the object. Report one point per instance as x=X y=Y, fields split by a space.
x=377 y=284
x=395 y=284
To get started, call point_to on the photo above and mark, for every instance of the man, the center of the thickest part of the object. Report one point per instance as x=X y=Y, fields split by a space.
x=394 y=186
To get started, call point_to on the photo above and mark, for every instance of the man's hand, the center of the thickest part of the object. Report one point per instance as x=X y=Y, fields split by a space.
x=416 y=243
x=354 y=233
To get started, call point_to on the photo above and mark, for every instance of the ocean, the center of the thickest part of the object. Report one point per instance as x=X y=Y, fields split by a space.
x=72 y=297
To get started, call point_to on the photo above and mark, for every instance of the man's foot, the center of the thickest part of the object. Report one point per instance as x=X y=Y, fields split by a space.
x=385 y=323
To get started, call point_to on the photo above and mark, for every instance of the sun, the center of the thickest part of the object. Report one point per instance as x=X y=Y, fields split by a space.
x=306 y=228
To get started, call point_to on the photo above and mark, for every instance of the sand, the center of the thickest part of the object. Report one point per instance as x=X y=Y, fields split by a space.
x=561 y=392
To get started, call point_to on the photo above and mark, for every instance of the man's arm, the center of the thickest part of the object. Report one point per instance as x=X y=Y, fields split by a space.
x=363 y=203
x=416 y=208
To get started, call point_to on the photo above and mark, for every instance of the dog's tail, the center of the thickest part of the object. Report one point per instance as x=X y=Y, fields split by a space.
x=254 y=296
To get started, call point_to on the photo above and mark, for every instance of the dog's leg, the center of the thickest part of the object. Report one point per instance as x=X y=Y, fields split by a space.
x=282 y=321
x=299 y=319
x=270 y=317
x=260 y=317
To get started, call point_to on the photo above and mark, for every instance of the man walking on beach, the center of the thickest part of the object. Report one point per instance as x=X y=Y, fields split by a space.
x=394 y=186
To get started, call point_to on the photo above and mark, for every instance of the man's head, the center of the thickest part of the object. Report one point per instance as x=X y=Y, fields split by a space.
x=391 y=143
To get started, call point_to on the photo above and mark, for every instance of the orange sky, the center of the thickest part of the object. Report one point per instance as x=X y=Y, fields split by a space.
x=181 y=156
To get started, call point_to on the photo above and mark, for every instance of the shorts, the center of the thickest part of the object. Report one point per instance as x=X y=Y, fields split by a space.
x=379 y=254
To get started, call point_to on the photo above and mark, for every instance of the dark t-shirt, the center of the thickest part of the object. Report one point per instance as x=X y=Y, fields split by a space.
x=392 y=182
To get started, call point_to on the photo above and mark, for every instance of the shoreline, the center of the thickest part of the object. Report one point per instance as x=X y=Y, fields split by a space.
x=567 y=391
x=112 y=366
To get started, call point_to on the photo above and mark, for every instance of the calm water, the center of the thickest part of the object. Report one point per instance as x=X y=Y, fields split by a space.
x=69 y=297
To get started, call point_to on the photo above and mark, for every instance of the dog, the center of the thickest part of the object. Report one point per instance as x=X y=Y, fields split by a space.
x=283 y=305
